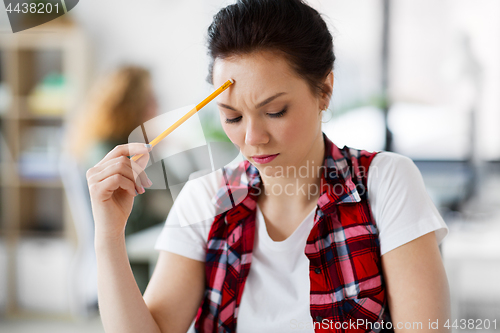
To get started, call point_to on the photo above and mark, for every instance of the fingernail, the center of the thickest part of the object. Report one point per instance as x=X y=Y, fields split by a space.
x=149 y=182
x=147 y=145
x=142 y=190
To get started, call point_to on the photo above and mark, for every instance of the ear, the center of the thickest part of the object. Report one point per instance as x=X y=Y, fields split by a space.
x=328 y=89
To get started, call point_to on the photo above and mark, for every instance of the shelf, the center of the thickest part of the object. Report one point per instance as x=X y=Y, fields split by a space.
x=42 y=37
x=36 y=118
x=17 y=180
x=37 y=64
x=49 y=62
x=3 y=224
x=41 y=209
x=41 y=234
x=24 y=113
x=42 y=183
x=6 y=234
x=9 y=183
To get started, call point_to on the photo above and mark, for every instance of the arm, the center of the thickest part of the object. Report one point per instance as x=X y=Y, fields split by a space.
x=170 y=301
x=184 y=290
x=121 y=305
x=113 y=183
x=417 y=287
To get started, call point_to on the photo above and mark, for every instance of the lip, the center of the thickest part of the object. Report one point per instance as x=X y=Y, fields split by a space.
x=263 y=159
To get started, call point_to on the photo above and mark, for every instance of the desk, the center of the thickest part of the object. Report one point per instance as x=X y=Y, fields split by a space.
x=471 y=254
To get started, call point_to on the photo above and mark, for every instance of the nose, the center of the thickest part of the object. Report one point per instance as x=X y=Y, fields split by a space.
x=256 y=133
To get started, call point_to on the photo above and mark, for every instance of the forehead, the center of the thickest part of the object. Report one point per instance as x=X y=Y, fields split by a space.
x=258 y=73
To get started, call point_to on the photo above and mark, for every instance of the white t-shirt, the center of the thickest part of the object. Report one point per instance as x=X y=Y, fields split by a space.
x=276 y=293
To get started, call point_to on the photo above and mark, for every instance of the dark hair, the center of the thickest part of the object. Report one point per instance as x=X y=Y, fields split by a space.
x=287 y=26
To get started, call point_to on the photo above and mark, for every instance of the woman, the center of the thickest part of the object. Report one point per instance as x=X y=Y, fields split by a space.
x=349 y=246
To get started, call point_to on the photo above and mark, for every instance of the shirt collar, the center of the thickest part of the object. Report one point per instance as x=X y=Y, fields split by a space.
x=242 y=184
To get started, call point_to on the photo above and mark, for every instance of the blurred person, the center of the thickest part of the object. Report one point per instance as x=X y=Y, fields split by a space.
x=351 y=246
x=117 y=104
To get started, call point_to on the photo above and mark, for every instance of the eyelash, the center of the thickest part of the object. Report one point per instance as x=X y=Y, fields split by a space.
x=272 y=115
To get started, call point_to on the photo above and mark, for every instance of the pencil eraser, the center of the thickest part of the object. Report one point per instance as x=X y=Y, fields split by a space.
x=232 y=81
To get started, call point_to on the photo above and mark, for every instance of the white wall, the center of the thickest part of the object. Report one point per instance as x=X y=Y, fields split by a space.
x=445 y=53
x=166 y=36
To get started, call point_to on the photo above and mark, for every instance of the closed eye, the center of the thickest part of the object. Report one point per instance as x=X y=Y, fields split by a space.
x=279 y=114
x=232 y=121
x=272 y=115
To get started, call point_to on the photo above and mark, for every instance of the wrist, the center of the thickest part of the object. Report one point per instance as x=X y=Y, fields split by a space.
x=106 y=239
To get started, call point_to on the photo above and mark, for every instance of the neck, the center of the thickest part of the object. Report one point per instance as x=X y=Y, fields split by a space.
x=297 y=187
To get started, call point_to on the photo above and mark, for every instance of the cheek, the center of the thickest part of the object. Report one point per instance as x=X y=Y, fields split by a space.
x=301 y=129
x=298 y=126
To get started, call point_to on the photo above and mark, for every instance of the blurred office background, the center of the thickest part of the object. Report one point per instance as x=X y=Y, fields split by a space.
x=420 y=78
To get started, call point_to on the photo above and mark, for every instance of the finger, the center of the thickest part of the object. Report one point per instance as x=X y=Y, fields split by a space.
x=104 y=190
x=99 y=167
x=128 y=149
x=140 y=175
x=137 y=167
x=120 y=165
x=142 y=161
x=107 y=160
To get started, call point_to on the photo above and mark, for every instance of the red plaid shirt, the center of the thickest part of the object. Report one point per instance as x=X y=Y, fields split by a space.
x=347 y=292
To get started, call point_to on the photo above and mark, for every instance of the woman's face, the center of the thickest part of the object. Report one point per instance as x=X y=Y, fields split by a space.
x=269 y=110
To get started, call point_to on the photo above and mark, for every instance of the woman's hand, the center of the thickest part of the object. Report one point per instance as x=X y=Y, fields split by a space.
x=113 y=184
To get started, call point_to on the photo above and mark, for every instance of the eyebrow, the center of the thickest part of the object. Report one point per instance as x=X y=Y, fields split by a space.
x=259 y=105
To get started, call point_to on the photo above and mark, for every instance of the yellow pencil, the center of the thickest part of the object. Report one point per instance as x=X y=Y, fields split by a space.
x=187 y=115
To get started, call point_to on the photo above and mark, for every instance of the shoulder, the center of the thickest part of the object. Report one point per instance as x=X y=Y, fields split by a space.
x=389 y=157
x=390 y=160
x=400 y=203
x=389 y=165
x=393 y=179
